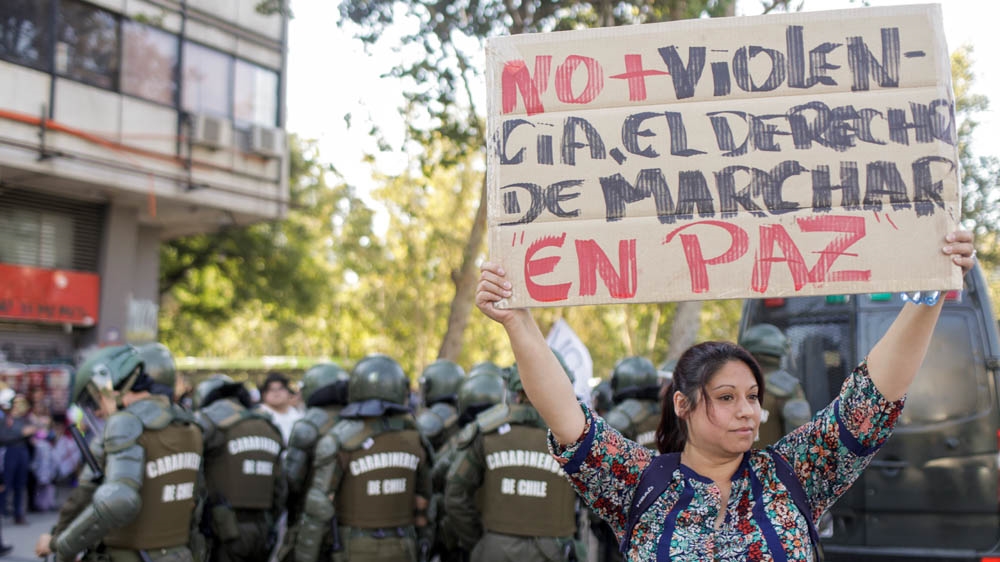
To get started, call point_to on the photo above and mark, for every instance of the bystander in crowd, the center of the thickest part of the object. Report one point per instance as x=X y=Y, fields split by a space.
x=276 y=398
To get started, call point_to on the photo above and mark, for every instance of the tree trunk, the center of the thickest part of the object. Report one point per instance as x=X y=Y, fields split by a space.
x=466 y=279
x=654 y=330
x=684 y=331
x=630 y=336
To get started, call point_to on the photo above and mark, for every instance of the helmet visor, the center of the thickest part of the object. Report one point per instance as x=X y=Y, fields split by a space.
x=101 y=379
x=100 y=383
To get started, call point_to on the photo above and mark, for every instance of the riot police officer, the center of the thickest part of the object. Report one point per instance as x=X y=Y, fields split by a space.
x=245 y=491
x=159 y=364
x=147 y=466
x=371 y=486
x=489 y=367
x=480 y=392
x=324 y=391
x=784 y=407
x=439 y=385
x=527 y=509
x=635 y=412
x=601 y=398
x=635 y=388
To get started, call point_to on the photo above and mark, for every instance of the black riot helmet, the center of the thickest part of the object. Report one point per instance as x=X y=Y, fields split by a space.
x=479 y=392
x=325 y=384
x=635 y=377
x=601 y=398
x=378 y=386
x=440 y=382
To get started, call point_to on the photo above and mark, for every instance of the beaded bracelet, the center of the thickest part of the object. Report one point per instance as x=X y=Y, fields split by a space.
x=929 y=298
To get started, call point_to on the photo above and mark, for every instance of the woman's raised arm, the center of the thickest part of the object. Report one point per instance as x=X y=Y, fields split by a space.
x=897 y=357
x=545 y=382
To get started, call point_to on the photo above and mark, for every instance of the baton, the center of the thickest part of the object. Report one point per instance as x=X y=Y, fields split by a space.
x=88 y=455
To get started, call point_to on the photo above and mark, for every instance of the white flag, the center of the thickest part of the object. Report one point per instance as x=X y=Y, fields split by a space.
x=563 y=339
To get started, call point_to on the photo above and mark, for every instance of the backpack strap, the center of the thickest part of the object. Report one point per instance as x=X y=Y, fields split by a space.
x=657 y=477
x=653 y=482
x=791 y=482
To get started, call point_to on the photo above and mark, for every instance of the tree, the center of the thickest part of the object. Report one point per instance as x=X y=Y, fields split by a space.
x=438 y=84
x=980 y=174
x=270 y=274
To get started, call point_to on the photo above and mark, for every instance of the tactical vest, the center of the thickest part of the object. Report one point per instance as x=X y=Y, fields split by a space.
x=173 y=458
x=379 y=484
x=645 y=428
x=772 y=429
x=242 y=470
x=524 y=491
x=331 y=417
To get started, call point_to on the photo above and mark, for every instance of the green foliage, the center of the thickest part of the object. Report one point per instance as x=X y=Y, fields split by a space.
x=337 y=278
x=270 y=7
x=246 y=290
x=980 y=174
x=448 y=133
x=450 y=36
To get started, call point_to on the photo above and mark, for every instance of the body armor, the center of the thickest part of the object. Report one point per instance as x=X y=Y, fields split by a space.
x=636 y=420
x=783 y=408
x=245 y=487
x=151 y=458
x=503 y=460
x=379 y=482
x=373 y=469
x=438 y=423
x=524 y=491
x=300 y=454
x=783 y=405
x=242 y=452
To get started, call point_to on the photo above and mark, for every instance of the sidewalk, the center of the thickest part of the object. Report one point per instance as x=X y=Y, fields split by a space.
x=23 y=537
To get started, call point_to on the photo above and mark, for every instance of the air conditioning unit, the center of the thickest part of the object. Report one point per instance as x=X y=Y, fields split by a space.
x=211 y=132
x=267 y=141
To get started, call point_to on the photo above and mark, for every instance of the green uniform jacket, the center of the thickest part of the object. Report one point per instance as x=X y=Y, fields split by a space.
x=150 y=454
x=80 y=497
x=446 y=541
x=783 y=409
x=301 y=453
x=368 y=473
x=439 y=423
x=505 y=495
x=636 y=420
x=244 y=484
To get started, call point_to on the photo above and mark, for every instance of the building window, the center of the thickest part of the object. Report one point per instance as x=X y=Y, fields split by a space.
x=87 y=44
x=149 y=62
x=25 y=32
x=206 y=78
x=36 y=238
x=256 y=95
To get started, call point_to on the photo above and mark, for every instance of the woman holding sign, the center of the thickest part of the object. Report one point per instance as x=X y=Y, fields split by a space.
x=714 y=497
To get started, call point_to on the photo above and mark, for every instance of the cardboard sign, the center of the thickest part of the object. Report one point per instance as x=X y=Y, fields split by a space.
x=782 y=155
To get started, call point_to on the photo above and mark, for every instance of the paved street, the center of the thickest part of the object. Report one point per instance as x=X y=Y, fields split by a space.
x=23 y=537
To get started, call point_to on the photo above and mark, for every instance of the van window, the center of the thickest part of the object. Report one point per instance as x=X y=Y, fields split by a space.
x=952 y=383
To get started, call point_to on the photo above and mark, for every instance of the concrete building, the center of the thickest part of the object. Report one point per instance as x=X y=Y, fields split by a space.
x=124 y=123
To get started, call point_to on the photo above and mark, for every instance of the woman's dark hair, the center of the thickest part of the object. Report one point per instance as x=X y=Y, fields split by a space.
x=693 y=371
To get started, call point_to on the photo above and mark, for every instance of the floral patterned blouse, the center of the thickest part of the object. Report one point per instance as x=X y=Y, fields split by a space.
x=761 y=521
